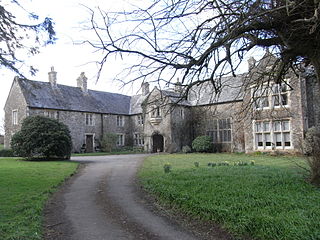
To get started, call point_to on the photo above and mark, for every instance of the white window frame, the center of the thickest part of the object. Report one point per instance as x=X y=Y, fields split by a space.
x=218 y=129
x=15 y=119
x=140 y=119
x=120 y=139
x=138 y=139
x=268 y=92
x=272 y=133
x=120 y=121
x=51 y=114
x=89 y=119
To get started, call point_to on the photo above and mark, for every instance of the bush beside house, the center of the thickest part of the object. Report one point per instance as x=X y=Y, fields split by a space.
x=42 y=137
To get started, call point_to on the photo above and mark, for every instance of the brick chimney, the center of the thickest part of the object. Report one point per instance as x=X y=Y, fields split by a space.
x=53 y=77
x=82 y=82
x=145 y=88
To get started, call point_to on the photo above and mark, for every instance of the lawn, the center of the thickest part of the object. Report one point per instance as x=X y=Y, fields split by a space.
x=24 y=189
x=267 y=200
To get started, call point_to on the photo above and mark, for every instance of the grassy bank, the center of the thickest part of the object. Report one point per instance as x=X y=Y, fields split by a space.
x=267 y=200
x=24 y=189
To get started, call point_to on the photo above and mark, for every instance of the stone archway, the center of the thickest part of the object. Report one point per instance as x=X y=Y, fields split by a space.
x=158 y=142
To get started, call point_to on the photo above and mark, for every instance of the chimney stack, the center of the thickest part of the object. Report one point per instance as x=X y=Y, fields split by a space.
x=145 y=88
x=53 y=77
x=178 y=86
x=251 y=63
x=82 y=82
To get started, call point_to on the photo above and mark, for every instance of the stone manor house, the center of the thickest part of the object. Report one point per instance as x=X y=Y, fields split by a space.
x=242 y=118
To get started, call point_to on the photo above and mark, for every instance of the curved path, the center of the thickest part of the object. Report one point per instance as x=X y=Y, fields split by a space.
x=101 y=203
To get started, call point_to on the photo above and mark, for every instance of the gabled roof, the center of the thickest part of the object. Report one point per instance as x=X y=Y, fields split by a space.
x=42 y=95
x=204 y=94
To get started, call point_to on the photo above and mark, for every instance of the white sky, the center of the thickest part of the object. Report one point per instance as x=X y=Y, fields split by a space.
x=68 y=59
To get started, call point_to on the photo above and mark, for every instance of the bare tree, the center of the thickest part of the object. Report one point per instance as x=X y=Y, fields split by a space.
x=203 y=40
x=17 y=38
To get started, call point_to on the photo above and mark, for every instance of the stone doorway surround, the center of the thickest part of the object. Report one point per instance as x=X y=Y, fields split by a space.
x=89 y=138
x=157 y=143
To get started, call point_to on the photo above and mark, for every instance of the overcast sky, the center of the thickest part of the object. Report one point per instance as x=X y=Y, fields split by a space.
x=68 y=58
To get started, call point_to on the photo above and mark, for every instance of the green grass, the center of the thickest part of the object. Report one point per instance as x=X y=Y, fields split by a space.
x=269 y=200
x=24 y=189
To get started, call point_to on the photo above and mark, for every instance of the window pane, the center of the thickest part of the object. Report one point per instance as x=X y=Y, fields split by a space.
x=284 y=99
x=258 y=127
x=228 y=126
x=284 y=87
x=275 y=88
x=277 y=138
x=265 y=102
x=214 y=136
x=286 y=139
x=277 y=126
x=275 y=100
x=215 y=124
x=228 y=135
x=259 y=140
x=285 y=126
x=267 y=139
x=266 y=126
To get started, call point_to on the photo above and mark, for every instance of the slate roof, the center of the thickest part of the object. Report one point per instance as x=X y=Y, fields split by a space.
x=231 y=90
x=42 y=95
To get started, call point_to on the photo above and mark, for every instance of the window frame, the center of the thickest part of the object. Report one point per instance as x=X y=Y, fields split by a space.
x=140 y=119
x=217 y=131
x=120 y=139
x=51 y=114
x=120 y=121
x=269 y=91
x=272 y=132
x=15 y=117
x=138 y=139
x=89 y=119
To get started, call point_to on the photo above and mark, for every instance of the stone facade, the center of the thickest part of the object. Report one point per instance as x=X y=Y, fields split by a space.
x=159 y=120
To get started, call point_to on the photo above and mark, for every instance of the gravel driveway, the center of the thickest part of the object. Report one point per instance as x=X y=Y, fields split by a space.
x=101 y=202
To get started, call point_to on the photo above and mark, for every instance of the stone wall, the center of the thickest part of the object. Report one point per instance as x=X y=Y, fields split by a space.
x=294 y=113
x=103 y=123
x=15 y=101
x=203 y=115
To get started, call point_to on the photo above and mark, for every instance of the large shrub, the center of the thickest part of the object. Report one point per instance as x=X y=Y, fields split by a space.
x=202 y=144
x=311 y=147
x=42 y=137
x=109 y=142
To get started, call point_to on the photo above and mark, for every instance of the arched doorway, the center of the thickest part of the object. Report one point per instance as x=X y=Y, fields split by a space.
x=157 y=140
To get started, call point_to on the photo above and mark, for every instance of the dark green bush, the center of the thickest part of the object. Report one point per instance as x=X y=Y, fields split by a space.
x=202 y=144
x=186 y=149
x=6 y=153
x=42 y=137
